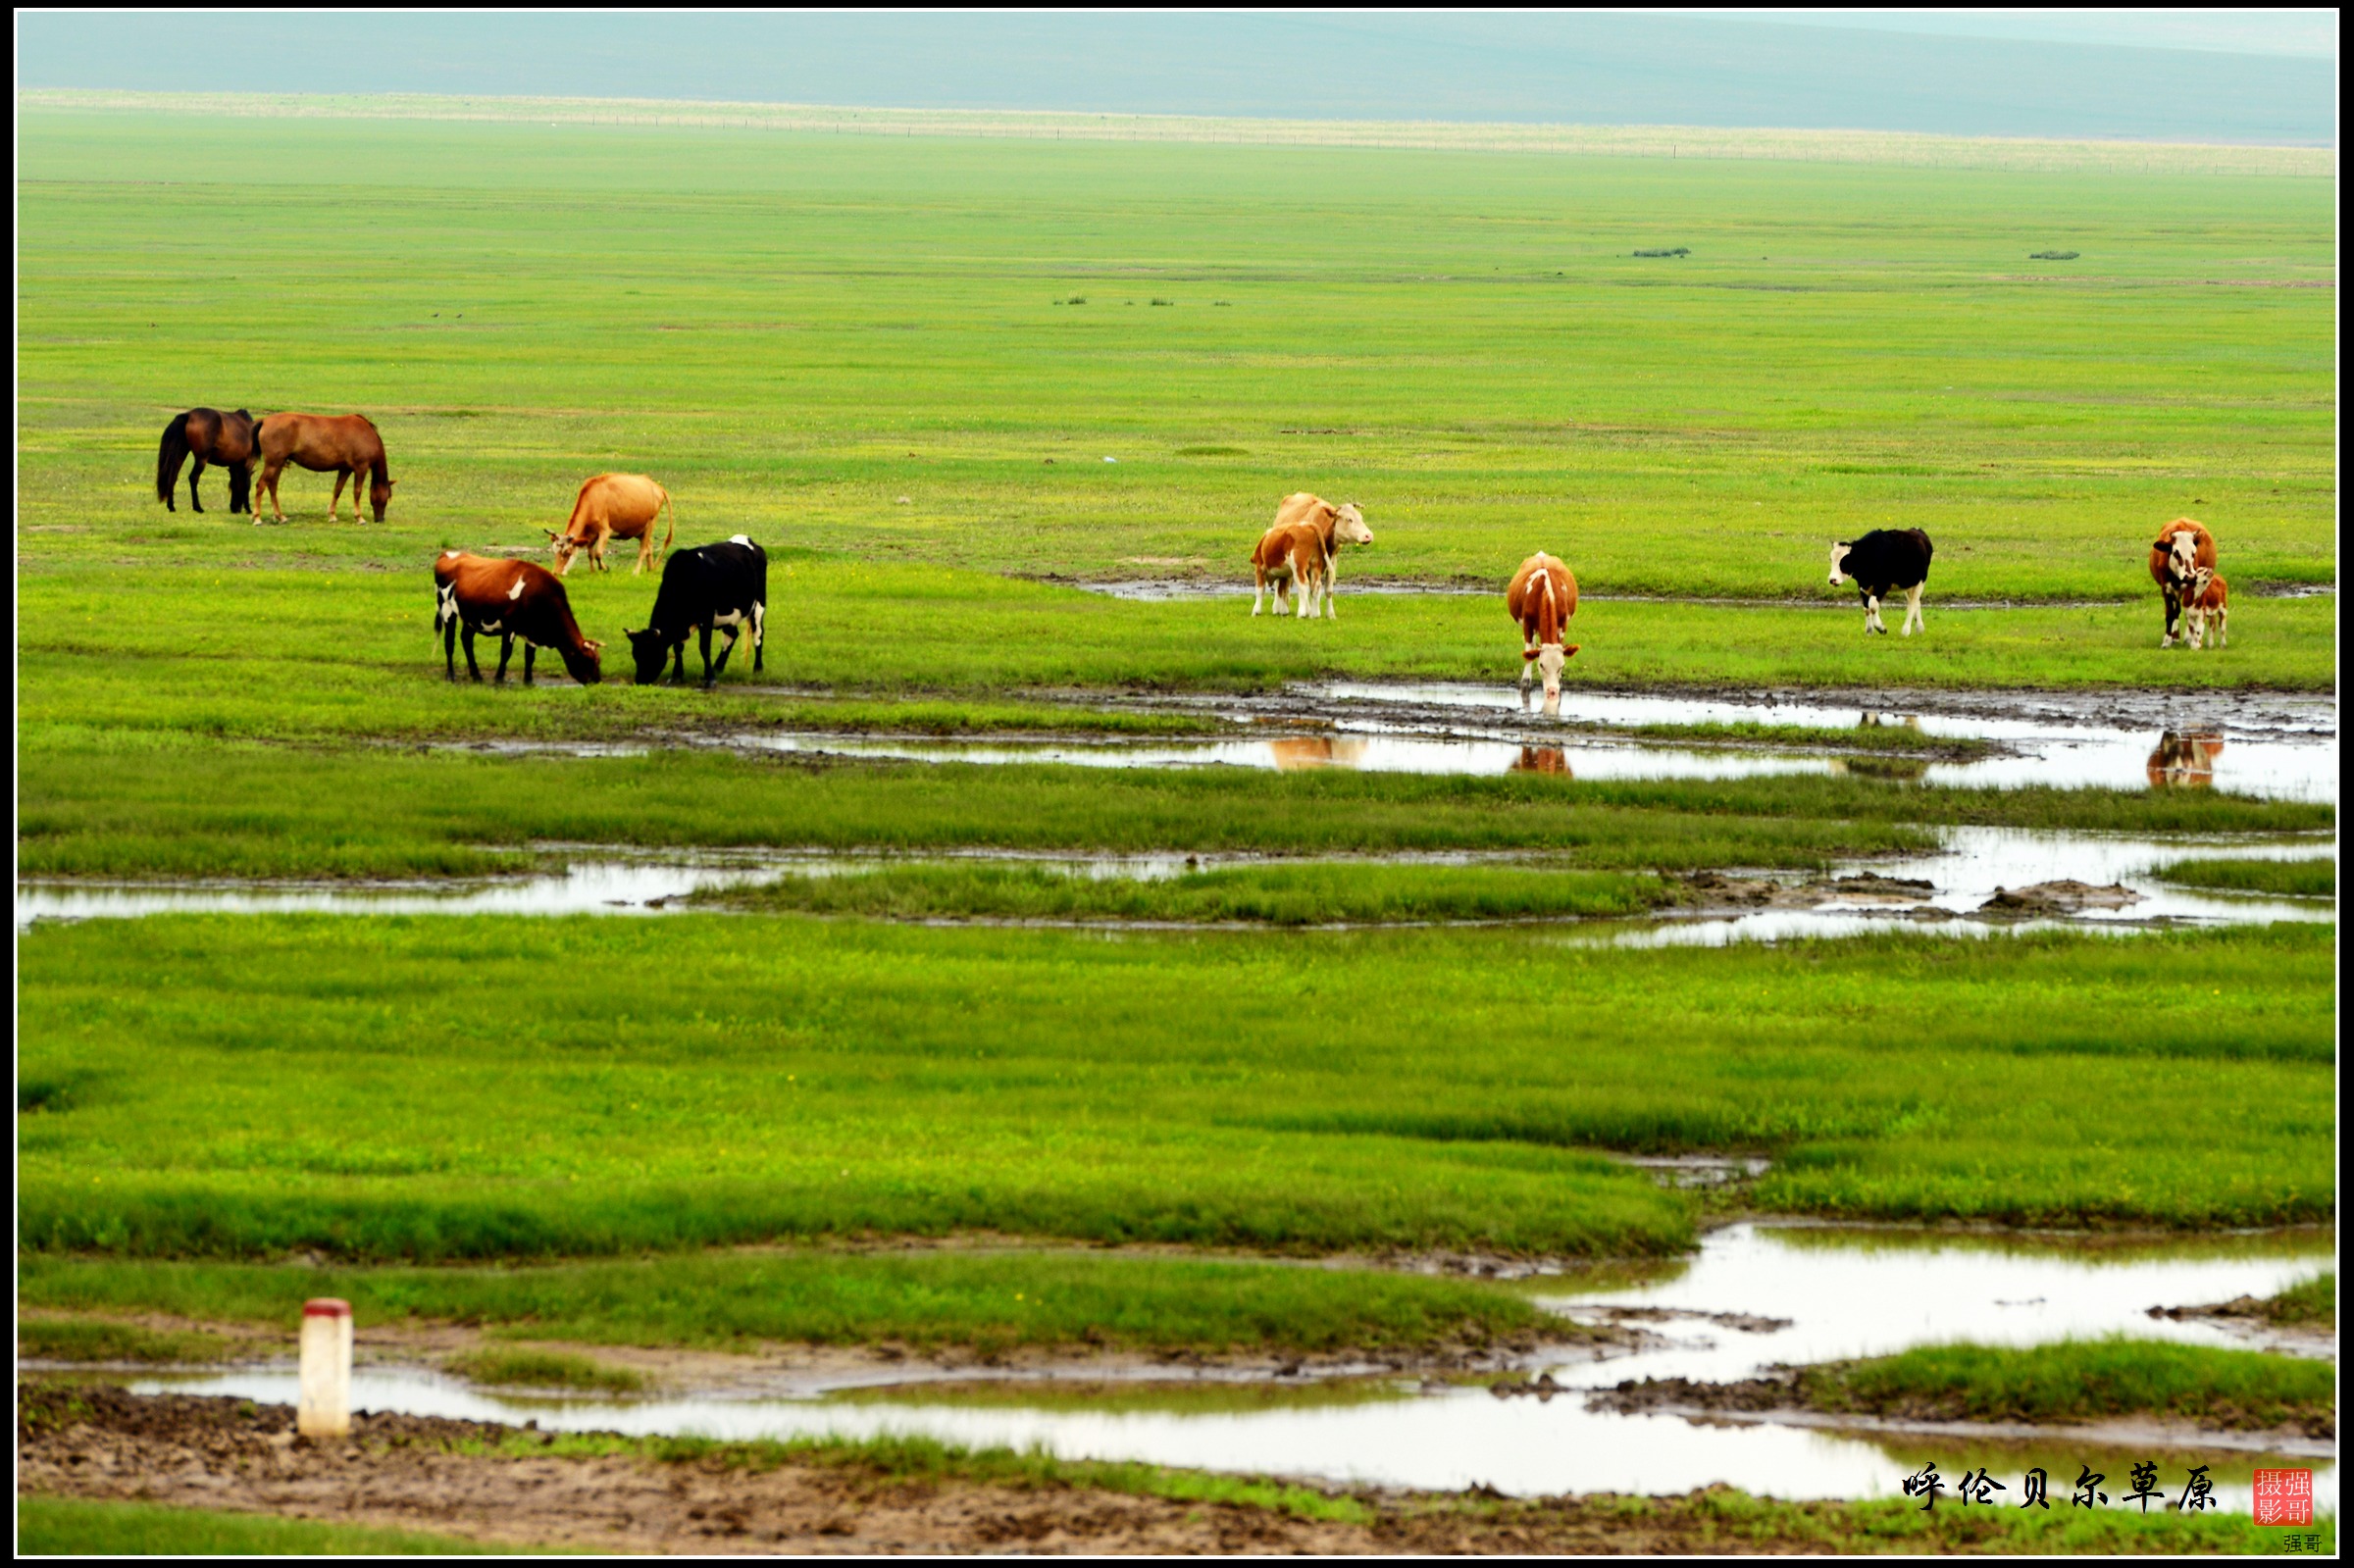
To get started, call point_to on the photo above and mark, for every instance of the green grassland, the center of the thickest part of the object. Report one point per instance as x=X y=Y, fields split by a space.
x=84 y=1527
x=2080 y=1381
x=239 y=1086
x=2296 y=879
x=795 y=331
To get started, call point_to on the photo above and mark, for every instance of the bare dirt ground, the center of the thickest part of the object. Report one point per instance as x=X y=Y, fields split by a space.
x=1781 y=1395
x=406 y=1472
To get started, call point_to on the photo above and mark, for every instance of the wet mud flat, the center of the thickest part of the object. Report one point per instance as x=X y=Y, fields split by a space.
x=484 y=1480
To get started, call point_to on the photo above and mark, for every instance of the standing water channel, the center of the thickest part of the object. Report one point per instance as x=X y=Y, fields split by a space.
x=1755 y=1296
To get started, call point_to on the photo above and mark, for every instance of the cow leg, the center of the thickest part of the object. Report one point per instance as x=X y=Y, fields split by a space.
x=678 y=668
x=2222 y=619
x=506 y=651
x=759 y=630
x=1259 y=589
x=2172 y=602
x=450 y=648
x=196 y=501
x=1912 y=610
x=1872 y=614
x=1528 y=652
x=704 y=642
x=472 y=669
x=711 y=676
x=645 y=553
x=531 y=651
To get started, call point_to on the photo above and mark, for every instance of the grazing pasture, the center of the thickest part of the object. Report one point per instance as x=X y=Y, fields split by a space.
x=899 y=365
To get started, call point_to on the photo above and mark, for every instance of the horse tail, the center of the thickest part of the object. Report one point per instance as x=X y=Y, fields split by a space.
x=170 y=456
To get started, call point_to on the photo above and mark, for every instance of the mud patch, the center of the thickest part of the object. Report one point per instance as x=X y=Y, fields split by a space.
x=2049 y=898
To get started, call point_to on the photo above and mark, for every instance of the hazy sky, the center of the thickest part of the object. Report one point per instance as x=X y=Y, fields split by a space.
x=2311 y=32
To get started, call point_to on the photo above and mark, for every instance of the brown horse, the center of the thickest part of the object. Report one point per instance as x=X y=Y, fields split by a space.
x=209 y=436
x=346 y=445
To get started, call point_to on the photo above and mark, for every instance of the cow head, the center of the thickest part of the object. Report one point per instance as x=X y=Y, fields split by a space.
x=561 y=546
x=584 y=665
x=2200 y=579
x=1550 y=659
x=1349 y=526
x=1839 y=559
x=2182 y=557
x=650 y=651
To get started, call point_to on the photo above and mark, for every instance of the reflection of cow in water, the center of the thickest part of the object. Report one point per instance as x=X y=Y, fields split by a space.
x=1317 y=751
x=1542 y=759
x=2184 y=760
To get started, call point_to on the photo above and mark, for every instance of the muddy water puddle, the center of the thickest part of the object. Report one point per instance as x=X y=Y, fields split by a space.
x=1755 y=1296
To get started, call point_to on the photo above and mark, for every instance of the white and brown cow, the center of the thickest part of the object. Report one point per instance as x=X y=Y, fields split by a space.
x=1300 y=550
x=2180 y=549
x=2207 y=602
x=481 y=596
x=1542 y=597
x=613 y=506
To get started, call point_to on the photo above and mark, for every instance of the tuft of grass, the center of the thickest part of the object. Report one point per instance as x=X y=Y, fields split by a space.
x=1859 y=737
x=85 y=1527
x=2082 y=1381
x=2311 y=1301
x=544 y=1369
x=2315 y=878
x=1277 y=895
x=97 y=1339
x=991 y=1301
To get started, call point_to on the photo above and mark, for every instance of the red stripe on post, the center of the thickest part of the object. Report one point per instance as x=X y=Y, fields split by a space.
x=326 y=1306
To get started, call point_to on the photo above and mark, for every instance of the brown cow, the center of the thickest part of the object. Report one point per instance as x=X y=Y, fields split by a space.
x=479 y=595
x=345 y=444
x=1541 y=598
x=2182 y=547
x=1282 y=560
x=2208 y=598
x=2184 y=760
x=613 y=506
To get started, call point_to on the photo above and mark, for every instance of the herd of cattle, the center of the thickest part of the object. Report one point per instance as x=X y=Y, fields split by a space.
x=724 y=587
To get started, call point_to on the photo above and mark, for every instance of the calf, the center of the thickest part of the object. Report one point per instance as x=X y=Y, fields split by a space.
x=1542 y=597
x=1279 y=560
x=1884 y=560
x=476 y=595
x=2208 y=598
x=723 y=585
x=2181 y=548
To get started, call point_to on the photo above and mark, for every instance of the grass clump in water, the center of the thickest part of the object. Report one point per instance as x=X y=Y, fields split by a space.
x=2315 y=878
x=544 y=1369
x=2081 y=1380
x=99 y=1339
x=2311 y=1301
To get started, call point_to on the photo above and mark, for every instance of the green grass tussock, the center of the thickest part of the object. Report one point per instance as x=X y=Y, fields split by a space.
x=1278 y=896
x=729 y=1079
x=2294 y=879
x=85 y=1527
x=2311 y=1301
x=544 y=1369
x=97 y=1339
x=988 y=1302
x=2082 y=1381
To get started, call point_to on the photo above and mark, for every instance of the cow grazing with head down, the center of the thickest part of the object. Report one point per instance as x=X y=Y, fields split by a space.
x=478 y=596
x=1881 y=562
x=1301 y=549
x=2180 y=549
x=2207 y=602
x=613 y=506
x=714 y=586
x=1542 y=597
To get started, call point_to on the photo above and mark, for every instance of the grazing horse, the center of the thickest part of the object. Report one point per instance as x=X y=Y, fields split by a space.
x=347 y=445
x=1541 y=598
x=209 y=436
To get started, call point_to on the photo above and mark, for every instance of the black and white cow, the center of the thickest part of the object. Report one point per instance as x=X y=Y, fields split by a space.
x=714 y=586
x=1882 y=561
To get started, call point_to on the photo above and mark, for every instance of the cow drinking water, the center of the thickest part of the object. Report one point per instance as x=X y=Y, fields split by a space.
x=478 y=596
x=2183 y=548
x=1542 y=597
x=1881 y=562
x=714 y=586
x=1301 y=548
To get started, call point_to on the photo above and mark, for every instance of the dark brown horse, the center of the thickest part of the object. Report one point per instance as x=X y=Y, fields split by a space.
x=347 y=444
x=209 y=436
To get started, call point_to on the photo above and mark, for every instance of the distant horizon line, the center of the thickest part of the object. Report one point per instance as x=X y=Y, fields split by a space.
x=1836 y=144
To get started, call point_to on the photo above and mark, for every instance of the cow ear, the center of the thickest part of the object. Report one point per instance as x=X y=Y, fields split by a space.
x=1569 y=652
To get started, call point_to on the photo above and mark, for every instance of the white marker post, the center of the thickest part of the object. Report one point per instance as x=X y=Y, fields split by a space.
x=326 y=1407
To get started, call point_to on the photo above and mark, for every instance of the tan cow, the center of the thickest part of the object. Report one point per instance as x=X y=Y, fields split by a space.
x=613 y=506
x=1280 y=559
x=1543 y=596
x=2182 y=547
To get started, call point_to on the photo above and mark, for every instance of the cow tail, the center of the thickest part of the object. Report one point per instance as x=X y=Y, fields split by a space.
x=671 y=527
x=170 y=456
